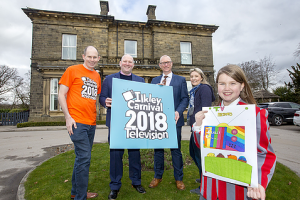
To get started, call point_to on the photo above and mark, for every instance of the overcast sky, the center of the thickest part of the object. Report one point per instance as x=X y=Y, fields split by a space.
x=248 y=29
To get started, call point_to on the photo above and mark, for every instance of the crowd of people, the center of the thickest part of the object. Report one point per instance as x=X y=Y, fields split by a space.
x=79 y=108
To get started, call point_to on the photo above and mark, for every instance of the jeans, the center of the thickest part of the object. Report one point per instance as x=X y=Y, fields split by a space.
x=195 y=154
x=83 y=138
x=176 y=159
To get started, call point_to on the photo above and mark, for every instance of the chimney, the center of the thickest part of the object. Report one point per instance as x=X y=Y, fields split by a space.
x=104 y=7
x=151 y=12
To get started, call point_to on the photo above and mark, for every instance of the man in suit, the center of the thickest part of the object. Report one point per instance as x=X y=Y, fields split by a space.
x=181 y=99
x=116 y=155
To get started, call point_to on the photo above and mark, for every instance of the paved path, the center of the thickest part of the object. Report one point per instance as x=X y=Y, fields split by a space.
x=286 y=144
x=23 y=149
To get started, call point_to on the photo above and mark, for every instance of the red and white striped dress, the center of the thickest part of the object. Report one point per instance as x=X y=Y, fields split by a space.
x=211 y=188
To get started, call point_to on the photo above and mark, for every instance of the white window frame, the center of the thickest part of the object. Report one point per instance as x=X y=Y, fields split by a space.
x=186 y=54
x=53 y=94
x=68 y=47
x=131 y=42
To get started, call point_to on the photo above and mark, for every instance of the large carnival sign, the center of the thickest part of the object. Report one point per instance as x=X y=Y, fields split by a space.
x=142 y=116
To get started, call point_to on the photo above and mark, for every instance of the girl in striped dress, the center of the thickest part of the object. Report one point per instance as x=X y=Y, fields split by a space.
x=233 y=89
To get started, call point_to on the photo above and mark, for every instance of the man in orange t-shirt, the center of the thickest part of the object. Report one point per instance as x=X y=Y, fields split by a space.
x=79 y=86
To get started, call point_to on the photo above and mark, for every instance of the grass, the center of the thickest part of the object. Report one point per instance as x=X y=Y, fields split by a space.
x=52 y=179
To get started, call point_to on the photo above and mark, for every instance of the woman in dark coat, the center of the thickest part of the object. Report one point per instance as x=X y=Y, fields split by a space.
x=201 y=95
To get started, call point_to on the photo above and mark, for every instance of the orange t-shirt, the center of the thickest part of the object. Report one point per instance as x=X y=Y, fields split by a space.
x=84 y=85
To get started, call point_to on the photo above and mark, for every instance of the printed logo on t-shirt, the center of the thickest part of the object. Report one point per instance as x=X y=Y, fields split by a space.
x=89 y=88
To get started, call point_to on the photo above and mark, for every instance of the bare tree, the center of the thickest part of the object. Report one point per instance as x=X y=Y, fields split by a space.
x=22 y=93
x=259 y=73
x=9 y=80
x=267 y=72
x=252 y=70
x=297 y=52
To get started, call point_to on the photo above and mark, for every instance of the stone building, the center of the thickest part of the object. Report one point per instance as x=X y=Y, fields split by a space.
x=58 y=40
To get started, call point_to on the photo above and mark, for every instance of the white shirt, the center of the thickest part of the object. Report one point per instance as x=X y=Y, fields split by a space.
x=169 y=78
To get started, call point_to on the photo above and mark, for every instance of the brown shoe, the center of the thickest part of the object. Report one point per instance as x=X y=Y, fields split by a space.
x=155 y=182
x=180 y=185
x=89 y=195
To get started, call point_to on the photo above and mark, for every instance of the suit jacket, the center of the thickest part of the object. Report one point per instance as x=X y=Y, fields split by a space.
x=180 y=94
x=107 y=89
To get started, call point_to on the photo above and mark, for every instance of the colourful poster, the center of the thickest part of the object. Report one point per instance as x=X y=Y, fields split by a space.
x=142 y=116
x=229 y=150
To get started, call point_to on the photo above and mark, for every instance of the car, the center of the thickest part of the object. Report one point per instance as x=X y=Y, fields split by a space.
x=297 y=118
x=280 y=112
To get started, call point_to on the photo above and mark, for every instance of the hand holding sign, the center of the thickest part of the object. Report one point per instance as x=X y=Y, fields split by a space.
x=108 y=102
x=199 y=116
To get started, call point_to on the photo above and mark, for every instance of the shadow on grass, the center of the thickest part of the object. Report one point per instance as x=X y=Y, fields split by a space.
x=52 y=179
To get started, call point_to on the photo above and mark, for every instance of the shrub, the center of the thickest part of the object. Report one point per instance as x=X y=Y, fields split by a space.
x=17 y=110
x=4 y=110
x=100 y=122
x=30 y=124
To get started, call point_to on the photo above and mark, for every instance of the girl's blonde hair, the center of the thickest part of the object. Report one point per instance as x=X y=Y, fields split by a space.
x=204 y=79
x=236 y=73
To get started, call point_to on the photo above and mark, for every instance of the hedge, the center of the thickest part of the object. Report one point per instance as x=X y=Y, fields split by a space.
x=30 y=124
x=4 y=110
x=17 y=110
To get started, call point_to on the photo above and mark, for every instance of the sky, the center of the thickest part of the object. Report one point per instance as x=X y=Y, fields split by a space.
x=248 y=29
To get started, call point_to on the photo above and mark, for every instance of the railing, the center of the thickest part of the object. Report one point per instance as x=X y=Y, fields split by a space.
x=11 y=119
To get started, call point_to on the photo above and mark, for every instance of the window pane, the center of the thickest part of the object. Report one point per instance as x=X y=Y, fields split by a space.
x=295 y=105
x=69 y=40
x=186 y=52
x=69 y=53
x=185 y=47
x=72 y=40
x=54 y=102
x=65 y=41
x=53 y=94
x=54 y=86
x=286 y=105
x=69 y=47
x=186 y=58
x=72 y=53
x=65 y=53
x=130 y=47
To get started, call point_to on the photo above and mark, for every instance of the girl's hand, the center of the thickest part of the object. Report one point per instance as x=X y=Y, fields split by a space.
x=257 y=193
x=199 y=116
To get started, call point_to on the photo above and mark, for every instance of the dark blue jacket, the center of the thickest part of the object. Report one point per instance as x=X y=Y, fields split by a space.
x=204 y=96
x=180 y=94
x=106 y=90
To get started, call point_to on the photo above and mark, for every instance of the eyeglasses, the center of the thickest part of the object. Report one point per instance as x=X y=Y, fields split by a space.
x=164 y=63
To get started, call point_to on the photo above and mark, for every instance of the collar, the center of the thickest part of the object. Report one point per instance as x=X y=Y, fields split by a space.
x=124 y=74
x=234 y=103
x=169 y=75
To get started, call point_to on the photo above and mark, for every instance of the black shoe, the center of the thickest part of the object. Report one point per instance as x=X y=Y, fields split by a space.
x=139 y=188
x=113 y=194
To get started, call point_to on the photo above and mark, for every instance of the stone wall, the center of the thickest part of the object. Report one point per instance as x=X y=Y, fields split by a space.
x=154 y=39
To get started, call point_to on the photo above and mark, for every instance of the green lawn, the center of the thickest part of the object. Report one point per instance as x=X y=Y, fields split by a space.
x=52 y=179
